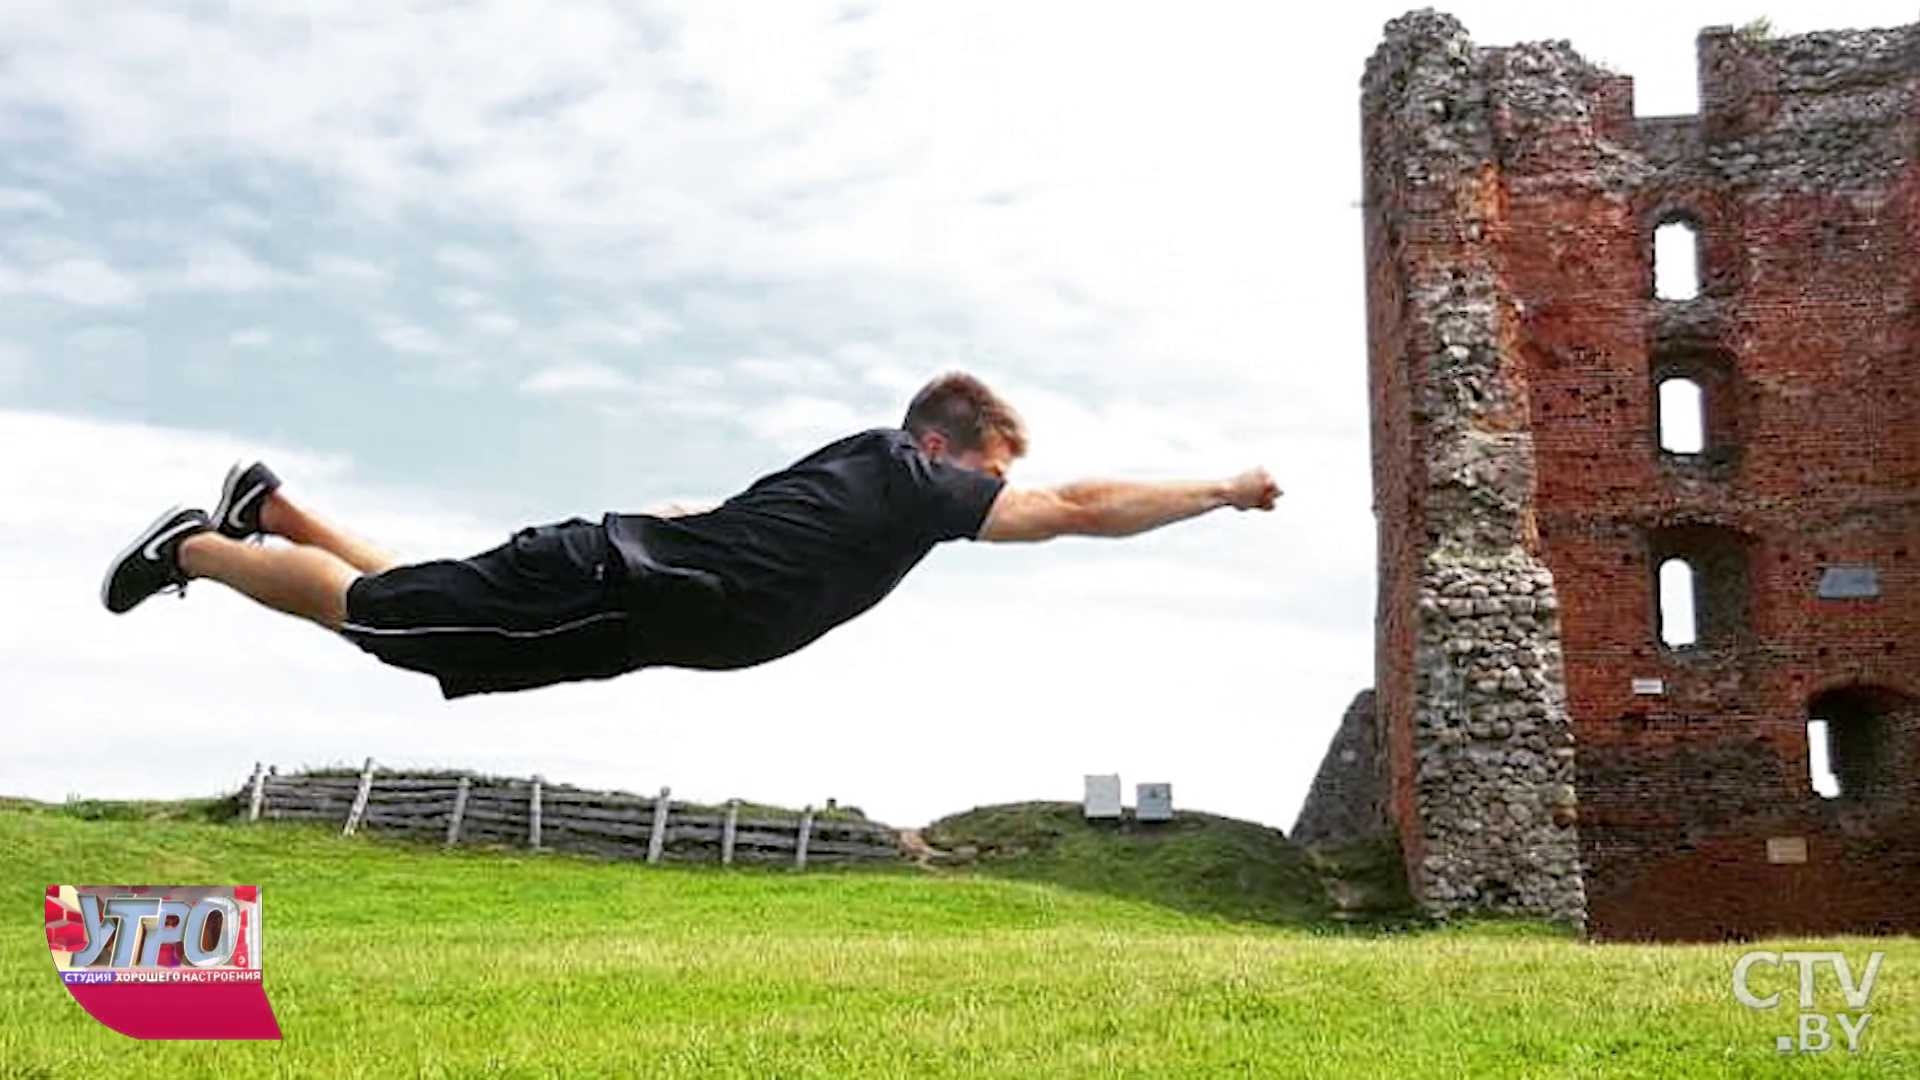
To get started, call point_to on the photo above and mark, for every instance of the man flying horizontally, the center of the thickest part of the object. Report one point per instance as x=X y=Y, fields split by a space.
x=760 y=576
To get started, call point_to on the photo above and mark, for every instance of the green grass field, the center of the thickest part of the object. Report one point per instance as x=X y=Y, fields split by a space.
x=384 y=960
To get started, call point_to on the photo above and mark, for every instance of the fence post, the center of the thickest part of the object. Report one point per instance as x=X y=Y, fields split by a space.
x=533 y=838
x=459 y=811
x=806 y=833
x=657 y=841
x=259 y=792
x=360 y=800
x=727 y=834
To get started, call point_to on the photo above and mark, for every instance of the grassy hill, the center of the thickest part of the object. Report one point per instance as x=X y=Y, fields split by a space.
x=1197 y=863
x=387 y=960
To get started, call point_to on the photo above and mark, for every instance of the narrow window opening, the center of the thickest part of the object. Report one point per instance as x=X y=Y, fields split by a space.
x=1820 y=760
x=1676 y=604
x=1676 y=261
x=1683 y=417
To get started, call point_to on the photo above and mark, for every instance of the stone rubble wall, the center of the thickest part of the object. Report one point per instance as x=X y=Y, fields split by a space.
x=1348 y=800
x=1493 y=816
x=1494 y=746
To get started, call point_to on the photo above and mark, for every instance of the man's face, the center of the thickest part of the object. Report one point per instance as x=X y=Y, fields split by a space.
x=992 y=458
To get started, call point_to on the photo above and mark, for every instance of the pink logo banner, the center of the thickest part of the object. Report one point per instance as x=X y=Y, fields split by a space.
x=163 y=961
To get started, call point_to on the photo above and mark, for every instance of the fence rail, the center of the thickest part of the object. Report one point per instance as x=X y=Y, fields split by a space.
x=534 y=814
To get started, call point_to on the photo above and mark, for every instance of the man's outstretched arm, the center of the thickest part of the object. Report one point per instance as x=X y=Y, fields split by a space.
x=1119 y=507
x=681 y=508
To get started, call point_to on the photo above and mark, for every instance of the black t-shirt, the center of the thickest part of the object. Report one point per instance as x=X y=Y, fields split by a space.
x=795 y=555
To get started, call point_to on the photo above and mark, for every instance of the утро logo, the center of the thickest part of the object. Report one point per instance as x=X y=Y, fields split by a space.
x=163 y=961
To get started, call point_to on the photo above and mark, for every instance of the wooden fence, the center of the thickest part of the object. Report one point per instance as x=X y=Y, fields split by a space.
x=535 y=814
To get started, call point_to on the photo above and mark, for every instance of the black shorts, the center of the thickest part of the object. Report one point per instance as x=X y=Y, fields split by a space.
x=542 y=608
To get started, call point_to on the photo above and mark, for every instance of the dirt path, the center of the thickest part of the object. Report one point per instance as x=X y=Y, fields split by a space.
x=917 y=848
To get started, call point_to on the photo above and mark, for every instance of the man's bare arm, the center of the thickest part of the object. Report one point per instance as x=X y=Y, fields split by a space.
x=680 y=509
x=1119 y=507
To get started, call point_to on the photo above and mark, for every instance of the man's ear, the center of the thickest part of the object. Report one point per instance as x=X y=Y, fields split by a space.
x=934 y=444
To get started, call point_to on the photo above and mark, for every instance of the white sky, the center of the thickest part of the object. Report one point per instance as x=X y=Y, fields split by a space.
x=454 y=268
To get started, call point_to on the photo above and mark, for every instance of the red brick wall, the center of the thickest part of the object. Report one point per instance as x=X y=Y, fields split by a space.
x=1809 y=299
x=1400 y=529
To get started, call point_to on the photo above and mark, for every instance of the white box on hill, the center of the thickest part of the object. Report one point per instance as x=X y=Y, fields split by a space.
x=1153 y=802
x=1103 y=797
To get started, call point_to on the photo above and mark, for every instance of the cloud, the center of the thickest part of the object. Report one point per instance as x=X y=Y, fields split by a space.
x=469 y=261
x=222 y=266
x=16 y=364
x=495 y=323
x=238 y=218
x=106 y=338
x=791 y=372
x=405 y=337
x=463 y=297
x=23 y=201
x=482 y=312
x=588 y=379
x=252 y=338
x=551 y=128
x=687 y=393
x=799 y=423
x=630 y=327
x=350 y=271
x=736 y=187
x=81 y=282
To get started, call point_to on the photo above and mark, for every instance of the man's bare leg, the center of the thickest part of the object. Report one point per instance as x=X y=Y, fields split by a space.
x=302 y=580
x=282 y=517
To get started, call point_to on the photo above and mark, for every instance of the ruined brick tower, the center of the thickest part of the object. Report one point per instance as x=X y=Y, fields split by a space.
x=1549 y=745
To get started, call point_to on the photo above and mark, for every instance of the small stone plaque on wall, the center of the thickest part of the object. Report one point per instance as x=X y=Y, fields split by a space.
x=1649 y=687
x=1850 y=583
x=1787 y=849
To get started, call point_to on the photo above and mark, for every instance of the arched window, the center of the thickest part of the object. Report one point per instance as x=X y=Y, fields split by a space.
x=1676 y=604
x=1676 y=261
x=1700 y=585
x=1700 y=404
x=1869 y=742
x=1865 y=729
x=1683 y=417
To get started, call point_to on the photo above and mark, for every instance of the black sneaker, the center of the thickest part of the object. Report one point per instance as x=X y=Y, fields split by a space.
x=237 y=514
x=152 y=562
